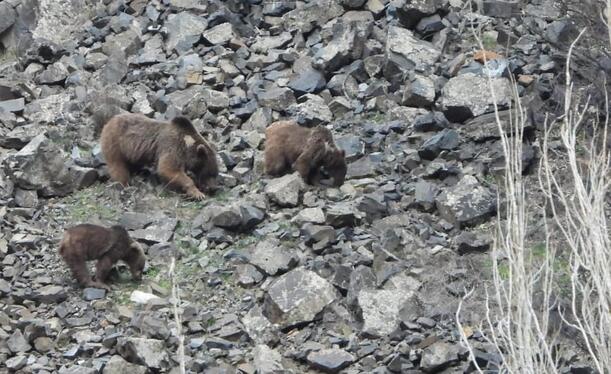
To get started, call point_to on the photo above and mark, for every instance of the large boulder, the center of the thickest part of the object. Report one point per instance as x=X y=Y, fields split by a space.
x=297 y=297
x=467 y=203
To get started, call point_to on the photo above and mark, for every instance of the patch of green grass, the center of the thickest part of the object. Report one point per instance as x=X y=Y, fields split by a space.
x=88 y=202
x=153 y=272
x=376 y=117
x=7 y=55
x=489 y=42
x=222 y=196
x=244 y=242
x=165 y=283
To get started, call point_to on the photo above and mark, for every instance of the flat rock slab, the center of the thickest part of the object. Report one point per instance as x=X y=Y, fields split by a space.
x=271 y=257
x=330 y=360
x=285 y=190
x=142 y=351
x=297 y=297
x=467 y=203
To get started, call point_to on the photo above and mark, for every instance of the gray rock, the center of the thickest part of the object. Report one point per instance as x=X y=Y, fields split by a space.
x=51 y=109
x=354 y=4
x=123 y=44
x=339 y=106
x=425 y=193
x=430 y=24
x=77 y=369
x=471 y=242
x=438 y=356
x=247 y=275
x=419 y=92
x=184 y=30
x=308 y=80
x=447 y=139
x=276 y=98
x=409 y=52
x=352 y=145
x=17 y=362
x=219 y=34
x=467 y=203
x=160 y=231
x=216 y=100
x=50 y=294
x=345 y=46
x=54 y=74
x=312 y=215
x=312 y=15
x=14 y=105
x=258 y=327
x=500 y=8
x=297 y=297
x=468 y=95
x=17 y=343
x=265 y=43
x=318 y=235
x=330 y=360
x=341 y=214
x=267 y=360
x=362 y=168
x=117 y=365
x=141 y=351
x=273 y=258
x=7 y=16
x=93 y=293
x=311 y=111
x=412 y=11
x=285 y=190
x=560 y=32
x=381 y=310
x=227 y=217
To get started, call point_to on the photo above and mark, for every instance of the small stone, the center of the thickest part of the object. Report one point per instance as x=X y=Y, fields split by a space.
x=500 y=8
x=93 y=293
x=467 y=203
x=285 y=191
x=381 y=310
x=50 y=294
x=330 y=360
x=220 y=34
x=438 y=356
x=17 y=362
x=276 y=98
x=140 y=297
x=447 y=139
x=148 y=352
x=267 y=360
x=272 y=258
x=117 y=365
x=17 y=343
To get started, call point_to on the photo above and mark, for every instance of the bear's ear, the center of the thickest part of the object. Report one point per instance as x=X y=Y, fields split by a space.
x=202 y=149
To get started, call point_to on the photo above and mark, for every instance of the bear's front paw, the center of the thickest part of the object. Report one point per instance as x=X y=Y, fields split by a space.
x=196 y=194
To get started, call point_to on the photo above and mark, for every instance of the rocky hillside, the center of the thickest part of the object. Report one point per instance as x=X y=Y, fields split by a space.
x=271 y=275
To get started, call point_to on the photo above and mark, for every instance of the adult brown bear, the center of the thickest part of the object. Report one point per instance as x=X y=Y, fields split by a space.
x=130 y=141
x=290 y=147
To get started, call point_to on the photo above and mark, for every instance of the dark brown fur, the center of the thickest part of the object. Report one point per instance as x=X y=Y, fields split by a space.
x=289 y=146
x=88 y=242
x=131 y=141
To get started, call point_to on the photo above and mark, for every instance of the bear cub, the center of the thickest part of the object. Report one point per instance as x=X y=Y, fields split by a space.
x=309 y=151
x=88 y=242
x=131 y=141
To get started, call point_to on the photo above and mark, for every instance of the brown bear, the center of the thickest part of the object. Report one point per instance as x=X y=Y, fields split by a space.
x=87 y=242
x=290 y=147
x=130 y=141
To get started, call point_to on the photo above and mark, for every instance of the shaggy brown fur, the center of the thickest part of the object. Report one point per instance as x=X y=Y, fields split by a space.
x=289 y=146
x=87 y=242
x=131 y=141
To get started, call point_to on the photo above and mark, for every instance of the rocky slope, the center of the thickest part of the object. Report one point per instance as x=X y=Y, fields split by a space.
x=273 y=276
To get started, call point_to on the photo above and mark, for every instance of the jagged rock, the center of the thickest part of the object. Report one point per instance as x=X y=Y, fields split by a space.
x=258 y=327
x=17 y=362
x=419 y=92
x=409 y=52
x=410 y=12
x=297 y=297
x=341 y=214
x=267 y=360
x=49 y=109
x=345 y=45
x=312 y=215
x=362 y=168
x=446 y=139
x=50 y=294
x=471 y=242
x=17 y=343
x=311 y=111
x=438 y=356
x=468 y=95
x=330 y=360
x=117 y=365
x=265 y=43
x=128 y=43
x=467 y=203
x=159 y=231
x=425 y=193
x=308 y=80
x=247 y=275
x=220 y=34
x=381 y=310
x=352 y=145
x=148 y=352
x=318 y=236
x=20 y=136
x=285 y=190
x=7 y=16
x=273 y=258
x=312 y=15
x=276 y=98
x=559 y=32
x=54 y=74
x=500 y=8
x=184 y=30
